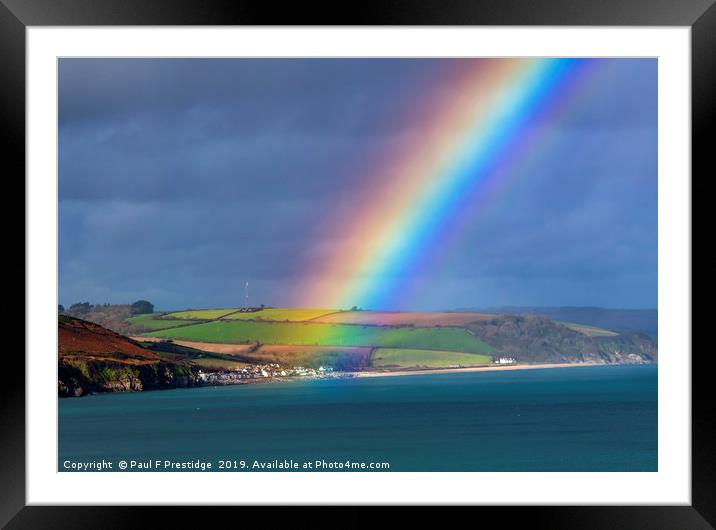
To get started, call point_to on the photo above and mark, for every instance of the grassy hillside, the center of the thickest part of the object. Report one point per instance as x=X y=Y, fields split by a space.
x=282 y=314
x=537 y=339
x=528 y=338
x=402 y=318
x=590 y=331
x=451 y=339
x=95 y=359
x=199 y=314
x=149 y=322
x=269 y=314
x=405 y=358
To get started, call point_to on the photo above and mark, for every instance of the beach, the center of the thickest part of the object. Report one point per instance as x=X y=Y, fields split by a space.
x=491 y=368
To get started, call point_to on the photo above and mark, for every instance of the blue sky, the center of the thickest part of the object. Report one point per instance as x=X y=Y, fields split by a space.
x=182 y=179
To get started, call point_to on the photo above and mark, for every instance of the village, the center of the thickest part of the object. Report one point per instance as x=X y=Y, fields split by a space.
x=264 y=372
x=258 y=373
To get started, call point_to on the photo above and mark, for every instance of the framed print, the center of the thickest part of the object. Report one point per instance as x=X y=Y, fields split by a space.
x=428 y=256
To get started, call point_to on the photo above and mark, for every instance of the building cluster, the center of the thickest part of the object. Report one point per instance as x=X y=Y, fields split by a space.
x=505 y=360
x=260 y=372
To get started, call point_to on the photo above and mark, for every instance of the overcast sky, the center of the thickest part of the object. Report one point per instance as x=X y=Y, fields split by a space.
x=179 y=180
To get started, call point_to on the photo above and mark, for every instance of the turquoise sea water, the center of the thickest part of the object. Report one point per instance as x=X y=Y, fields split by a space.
x=564 y=419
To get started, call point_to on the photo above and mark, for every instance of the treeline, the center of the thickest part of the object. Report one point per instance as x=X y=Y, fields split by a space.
x=140 y=307
x=112 y=316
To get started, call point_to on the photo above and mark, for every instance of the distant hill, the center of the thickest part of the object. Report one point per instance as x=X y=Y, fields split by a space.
x=619 y=320
x=538 y=339
x=95 y=359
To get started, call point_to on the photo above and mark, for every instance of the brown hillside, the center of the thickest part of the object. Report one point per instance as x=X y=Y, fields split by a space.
x=79 y=338
x=94 y=359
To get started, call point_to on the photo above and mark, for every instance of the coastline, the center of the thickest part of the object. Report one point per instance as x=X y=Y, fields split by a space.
x=490 y=368
x=371 y=373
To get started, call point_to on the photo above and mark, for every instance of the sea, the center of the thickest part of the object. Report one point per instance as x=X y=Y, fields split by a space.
x=590 y=418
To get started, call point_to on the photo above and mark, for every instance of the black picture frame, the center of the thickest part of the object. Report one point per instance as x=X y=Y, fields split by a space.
x=700 y=15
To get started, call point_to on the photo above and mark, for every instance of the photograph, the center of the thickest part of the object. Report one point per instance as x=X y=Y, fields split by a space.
x=358 y=264
x=409 y=257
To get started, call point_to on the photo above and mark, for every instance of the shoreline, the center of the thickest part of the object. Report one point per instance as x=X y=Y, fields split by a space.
x=488 y=368
x=371 y=373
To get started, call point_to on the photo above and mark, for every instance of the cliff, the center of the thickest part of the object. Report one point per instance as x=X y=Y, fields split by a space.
x=92 y=358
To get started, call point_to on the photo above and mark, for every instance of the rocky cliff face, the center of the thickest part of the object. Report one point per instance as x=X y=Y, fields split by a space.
x=95 y=359
x=80 y=377
x=533 y=338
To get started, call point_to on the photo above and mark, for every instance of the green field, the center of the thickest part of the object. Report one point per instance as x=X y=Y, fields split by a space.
x=406 y=358
x=237 y=332
x=590 y=331
x=200 y=314
x=153 y=322
x=281 y=315
x=269 y=314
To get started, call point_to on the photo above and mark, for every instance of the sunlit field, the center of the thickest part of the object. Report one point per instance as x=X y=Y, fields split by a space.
x=409 y=358
x=450 y=339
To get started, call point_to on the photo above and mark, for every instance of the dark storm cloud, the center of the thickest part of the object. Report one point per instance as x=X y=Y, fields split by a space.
x=225 y=130
x=179 y=179
x=239 y=97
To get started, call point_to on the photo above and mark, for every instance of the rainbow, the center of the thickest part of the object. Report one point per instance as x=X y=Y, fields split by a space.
x=469 y=136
